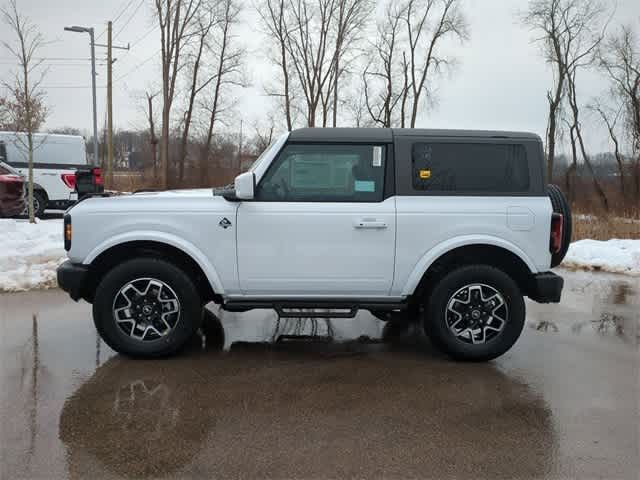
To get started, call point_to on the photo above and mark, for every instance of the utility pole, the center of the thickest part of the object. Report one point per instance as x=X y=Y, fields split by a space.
x=240 y=149
x=109 y=104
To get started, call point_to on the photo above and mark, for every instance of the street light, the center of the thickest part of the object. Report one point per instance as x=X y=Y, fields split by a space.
x=89 y=30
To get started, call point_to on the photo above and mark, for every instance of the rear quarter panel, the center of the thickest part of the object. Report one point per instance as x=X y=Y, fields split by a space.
x=430 y=224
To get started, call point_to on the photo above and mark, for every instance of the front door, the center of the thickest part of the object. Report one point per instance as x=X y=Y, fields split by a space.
x=320 y=225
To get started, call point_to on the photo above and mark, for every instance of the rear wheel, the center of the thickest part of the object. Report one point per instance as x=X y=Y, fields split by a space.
x=475 y=313
x=561 y=206
x=146 y=308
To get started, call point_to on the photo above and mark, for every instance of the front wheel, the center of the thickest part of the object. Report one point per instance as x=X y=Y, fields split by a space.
x=146 y=307
x=475 y=313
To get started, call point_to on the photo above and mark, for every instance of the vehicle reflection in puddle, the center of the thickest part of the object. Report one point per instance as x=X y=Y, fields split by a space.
x=281 y=409
x=603 y=306
x=264 y=329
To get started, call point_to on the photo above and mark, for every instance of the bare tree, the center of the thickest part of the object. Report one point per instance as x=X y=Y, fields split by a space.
x=577 y=132
x=273 y=14
x=13 y=113
x=610 y=120
x=407 y=56
x=310 y=50
x=228 y=72
x=263 y=135
x=428 y=23
x=620 y=58
x=205 y=22
x=352 y=17
x=380 y=76
x=28 y=96
x=317 y=41
x=153 y=139
x=565 y=31
x=175 y=17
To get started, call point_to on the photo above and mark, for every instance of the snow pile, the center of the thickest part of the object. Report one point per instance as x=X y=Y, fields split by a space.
x=29 y=254
x=617 y=256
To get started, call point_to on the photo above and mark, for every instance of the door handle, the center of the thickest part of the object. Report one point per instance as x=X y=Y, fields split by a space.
x=369 y=224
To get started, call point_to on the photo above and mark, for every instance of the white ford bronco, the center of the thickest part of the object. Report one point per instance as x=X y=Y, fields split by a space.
x=451 y=228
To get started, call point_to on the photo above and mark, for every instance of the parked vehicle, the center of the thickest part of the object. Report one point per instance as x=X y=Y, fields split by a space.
x=12 y=192
x=452 y=227
x=56 y=160
x=88 y=181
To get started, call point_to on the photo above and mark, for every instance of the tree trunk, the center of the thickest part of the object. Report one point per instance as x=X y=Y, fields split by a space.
x=32 y=218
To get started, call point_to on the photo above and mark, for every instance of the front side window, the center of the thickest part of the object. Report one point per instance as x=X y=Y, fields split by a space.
x=325 y=173
x=470 y=168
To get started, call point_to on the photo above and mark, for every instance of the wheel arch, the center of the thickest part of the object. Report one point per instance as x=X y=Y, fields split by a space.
x=489 y=251
x=37 y=186
x=116 y=251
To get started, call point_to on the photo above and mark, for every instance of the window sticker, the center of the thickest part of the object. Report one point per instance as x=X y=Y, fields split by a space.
x=365 y=186
x=377 y=157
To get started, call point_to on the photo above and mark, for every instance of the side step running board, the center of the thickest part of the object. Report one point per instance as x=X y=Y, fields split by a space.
x=333 y=308
x=295 y=312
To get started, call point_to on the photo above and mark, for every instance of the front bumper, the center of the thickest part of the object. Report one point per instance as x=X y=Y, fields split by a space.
x=546 y=287
x=72 y=278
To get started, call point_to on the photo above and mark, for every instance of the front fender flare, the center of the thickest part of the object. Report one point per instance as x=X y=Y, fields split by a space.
x=168 y=239
x=451 y=244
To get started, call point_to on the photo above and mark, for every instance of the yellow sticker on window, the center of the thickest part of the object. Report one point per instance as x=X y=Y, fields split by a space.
x=425 y=174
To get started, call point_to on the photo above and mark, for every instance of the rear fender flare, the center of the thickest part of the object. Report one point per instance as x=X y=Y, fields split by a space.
x=442 y=248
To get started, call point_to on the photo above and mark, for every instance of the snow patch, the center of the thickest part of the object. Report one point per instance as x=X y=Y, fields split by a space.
x=616 y=256
x=30 y=254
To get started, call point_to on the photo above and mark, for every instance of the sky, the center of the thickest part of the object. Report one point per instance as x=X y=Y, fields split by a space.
x=500 y=82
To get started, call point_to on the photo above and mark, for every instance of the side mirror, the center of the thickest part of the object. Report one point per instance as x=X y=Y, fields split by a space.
x=245 y=185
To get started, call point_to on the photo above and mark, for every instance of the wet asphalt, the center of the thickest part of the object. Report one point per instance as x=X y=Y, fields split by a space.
x=248 y=399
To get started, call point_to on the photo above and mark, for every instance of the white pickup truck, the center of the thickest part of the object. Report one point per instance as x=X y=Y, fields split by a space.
x=452 y=228
x=57 y=159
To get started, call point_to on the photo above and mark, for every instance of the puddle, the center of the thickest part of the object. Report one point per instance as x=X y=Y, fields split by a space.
x=321 y=397
x=599 y=306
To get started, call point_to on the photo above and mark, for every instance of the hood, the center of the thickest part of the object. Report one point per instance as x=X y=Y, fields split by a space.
x=201 y=199
x=193 y=192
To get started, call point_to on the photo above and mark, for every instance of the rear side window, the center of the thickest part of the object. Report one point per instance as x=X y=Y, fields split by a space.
x=4 y=171
x=325 y=173
x=469 y=168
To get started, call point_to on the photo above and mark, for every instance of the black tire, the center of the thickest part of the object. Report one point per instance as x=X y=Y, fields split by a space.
x=39 y=203
x=435 y=318
x=561 y=205
x=189 y=314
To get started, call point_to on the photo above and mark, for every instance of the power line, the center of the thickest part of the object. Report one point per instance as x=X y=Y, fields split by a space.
x=131 y=17
x=138 y=66
x=53 y=58
x=50 y=87
x=123 y=10
x=145 y=35
x=56 y=64
x=126 y=7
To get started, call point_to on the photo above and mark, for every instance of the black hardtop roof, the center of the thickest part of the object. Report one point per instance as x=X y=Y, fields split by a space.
x=385 y=135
